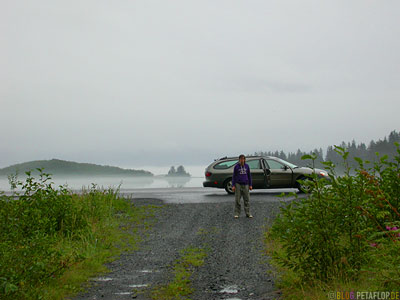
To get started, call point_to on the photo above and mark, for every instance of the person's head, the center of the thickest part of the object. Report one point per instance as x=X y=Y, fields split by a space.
x=242 y=159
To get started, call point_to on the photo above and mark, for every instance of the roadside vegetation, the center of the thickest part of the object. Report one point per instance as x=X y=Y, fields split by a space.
x=345 y=235
x=52 y=241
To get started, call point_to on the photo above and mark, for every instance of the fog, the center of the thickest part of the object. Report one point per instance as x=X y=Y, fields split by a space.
x=123 y=183
x=161 y=83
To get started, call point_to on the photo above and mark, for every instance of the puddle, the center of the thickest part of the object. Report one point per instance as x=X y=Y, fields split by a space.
x=146 y=271
x=231 y=289
x=103 y=279
x=123 y=293
x=138 y=285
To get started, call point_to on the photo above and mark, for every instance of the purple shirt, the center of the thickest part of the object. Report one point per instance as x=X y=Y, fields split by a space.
x=241 y=174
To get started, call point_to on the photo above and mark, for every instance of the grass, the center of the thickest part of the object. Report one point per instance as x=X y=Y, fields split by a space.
x=382 y=274
x=180 y=286
x=52 y=241
x=121 y=235
x=293 y=287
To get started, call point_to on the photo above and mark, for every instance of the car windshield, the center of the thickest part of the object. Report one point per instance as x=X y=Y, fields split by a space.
x=287 y=163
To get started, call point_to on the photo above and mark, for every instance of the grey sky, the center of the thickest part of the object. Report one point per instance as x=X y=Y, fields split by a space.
x=135 y=83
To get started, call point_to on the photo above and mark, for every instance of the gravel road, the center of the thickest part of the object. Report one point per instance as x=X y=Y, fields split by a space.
x=235 y=266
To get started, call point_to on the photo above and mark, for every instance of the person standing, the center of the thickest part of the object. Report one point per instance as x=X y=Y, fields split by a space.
x=241 y=184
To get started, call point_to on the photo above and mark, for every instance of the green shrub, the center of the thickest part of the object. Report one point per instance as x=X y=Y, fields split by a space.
x=44 y=231
x=345 y=229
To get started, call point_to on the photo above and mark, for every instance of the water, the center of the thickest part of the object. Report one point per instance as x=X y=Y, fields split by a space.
x=77 y=183
x=194 y=170
x=127 y=183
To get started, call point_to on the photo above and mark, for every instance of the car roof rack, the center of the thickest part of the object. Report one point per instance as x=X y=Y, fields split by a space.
x=225 y=157
x=236 y=157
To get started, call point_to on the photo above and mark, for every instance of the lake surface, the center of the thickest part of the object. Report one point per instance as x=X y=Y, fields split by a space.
x=127 y=182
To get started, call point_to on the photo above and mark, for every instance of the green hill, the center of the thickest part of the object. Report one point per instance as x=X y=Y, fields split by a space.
x=63 y=167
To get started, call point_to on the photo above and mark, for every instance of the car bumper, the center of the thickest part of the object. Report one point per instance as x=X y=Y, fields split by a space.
x=209 y=184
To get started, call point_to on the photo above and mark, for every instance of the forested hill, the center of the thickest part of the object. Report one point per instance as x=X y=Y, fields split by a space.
x=385 y=146
x=63 y=167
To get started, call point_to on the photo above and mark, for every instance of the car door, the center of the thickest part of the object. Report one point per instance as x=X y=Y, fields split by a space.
x=281 y=175
x=267 y=174
x=257 y=173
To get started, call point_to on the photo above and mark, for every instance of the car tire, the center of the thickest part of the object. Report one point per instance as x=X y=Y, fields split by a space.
x=228 y=186
x=302 y=187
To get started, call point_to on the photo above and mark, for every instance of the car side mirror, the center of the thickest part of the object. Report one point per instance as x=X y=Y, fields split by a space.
x=285 y=167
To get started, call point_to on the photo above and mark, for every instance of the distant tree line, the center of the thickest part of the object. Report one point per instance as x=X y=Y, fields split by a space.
x=70 y=168
x=368 y=152
x=179 y=171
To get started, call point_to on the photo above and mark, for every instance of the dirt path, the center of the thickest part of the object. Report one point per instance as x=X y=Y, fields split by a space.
x=235 y=267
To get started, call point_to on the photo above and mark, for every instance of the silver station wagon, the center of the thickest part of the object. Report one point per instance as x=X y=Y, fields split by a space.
x=267 y=172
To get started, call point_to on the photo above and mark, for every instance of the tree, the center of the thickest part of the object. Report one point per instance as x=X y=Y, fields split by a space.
x=172 y=171
x=382 y=146
x=181 y=171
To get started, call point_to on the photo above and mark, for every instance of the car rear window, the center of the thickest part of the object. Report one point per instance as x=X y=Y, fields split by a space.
x=225 y=164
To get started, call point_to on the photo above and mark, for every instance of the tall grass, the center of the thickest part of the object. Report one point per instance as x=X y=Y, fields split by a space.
x=52 y=240
x=346 y=232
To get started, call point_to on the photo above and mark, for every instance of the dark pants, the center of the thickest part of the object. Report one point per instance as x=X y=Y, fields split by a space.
x=242 y=190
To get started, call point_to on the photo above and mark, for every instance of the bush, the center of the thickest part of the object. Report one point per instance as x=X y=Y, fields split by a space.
x=44 y=231
x=345 y=229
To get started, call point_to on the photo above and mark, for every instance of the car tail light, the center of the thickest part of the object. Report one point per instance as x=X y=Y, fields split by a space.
x=208 y=174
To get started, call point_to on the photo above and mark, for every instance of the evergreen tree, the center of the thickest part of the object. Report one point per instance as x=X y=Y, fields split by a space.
x=385 y=146
x=181 y=171
x=172 y=171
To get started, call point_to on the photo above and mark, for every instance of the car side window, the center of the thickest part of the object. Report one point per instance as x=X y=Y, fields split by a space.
x=254 y=164
x=273 y=164
x=225 y=164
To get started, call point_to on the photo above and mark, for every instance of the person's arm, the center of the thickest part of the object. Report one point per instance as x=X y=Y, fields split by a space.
x=234 y=176
x=249 y=176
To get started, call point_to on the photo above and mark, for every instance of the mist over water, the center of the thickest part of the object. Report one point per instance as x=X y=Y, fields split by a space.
x=126 y=182
x=194 y=171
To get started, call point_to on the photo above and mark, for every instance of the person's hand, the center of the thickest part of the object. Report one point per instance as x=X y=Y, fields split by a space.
x=233 y=188
x=250 y=188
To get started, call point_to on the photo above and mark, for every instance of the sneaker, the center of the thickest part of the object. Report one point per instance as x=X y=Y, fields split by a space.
x=236 y=216
x=250 y=216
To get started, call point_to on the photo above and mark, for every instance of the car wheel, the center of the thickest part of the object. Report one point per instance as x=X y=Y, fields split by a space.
x=228 y=186
x=303 y=187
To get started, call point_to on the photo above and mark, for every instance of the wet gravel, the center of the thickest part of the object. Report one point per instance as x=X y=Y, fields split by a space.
x=235 y=266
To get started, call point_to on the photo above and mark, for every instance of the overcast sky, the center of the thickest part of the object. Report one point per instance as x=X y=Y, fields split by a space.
x=135 y=83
